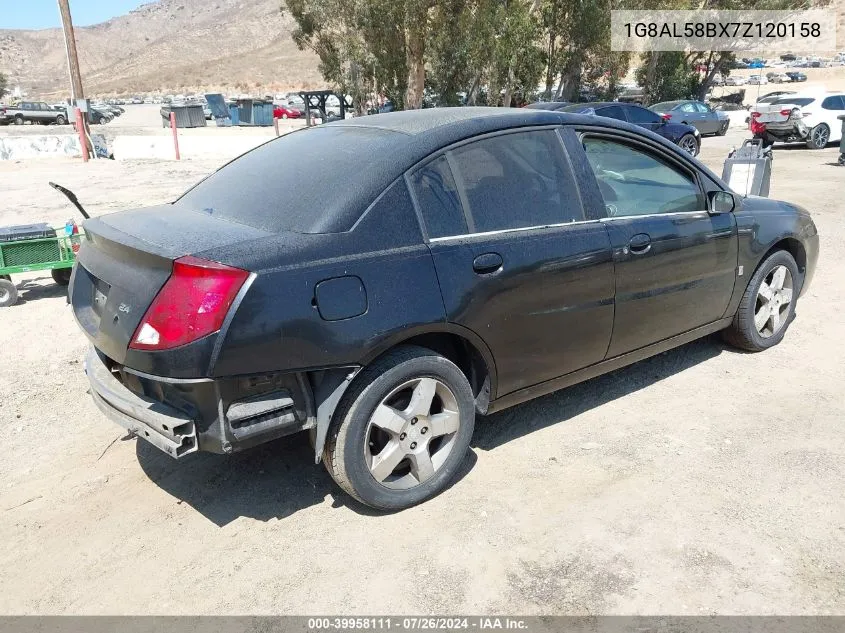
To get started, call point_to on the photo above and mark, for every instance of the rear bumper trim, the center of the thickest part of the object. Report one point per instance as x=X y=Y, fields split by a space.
x=166 y=428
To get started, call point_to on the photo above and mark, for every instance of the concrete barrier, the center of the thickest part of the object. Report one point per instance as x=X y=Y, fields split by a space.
x=161 y=147
x=47 y=146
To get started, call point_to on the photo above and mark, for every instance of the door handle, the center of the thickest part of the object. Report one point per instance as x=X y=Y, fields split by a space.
x=487 y=263
x=640 y=244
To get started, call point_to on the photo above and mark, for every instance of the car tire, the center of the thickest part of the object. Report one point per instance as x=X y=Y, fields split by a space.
x=430 y=439
x=60 y=120
x=819 y=137
x=723 y=129
x=689 y=144
x=61 y=276
x=284 y=116
x=8 y=293
x=748 y=331
x=19 y=119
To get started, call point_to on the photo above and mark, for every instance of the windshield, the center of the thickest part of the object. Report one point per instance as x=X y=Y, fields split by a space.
x=666 y=105
x=301 y=182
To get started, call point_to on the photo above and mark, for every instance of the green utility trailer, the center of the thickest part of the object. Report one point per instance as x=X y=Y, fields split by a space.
x=54 y=253
x=34 y=247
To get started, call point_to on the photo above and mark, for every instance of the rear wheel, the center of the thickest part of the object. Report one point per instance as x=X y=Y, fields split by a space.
x=8 y=293
x=18 y=119
x=402 y=430
x=768 y=305
x=60 y=120
x=818 y=137
x=61 y=276
x=689 y=144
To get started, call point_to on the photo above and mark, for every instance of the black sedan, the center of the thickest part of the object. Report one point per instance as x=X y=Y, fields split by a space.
x=412 y=270
x=684 y=136
x=695 y=113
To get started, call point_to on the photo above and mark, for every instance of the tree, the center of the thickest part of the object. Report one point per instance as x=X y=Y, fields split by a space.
x=3 y=85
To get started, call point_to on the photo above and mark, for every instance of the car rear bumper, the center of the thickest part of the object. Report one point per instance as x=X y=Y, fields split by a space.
x=181 y=417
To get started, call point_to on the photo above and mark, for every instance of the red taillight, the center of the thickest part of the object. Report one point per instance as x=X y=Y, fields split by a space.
x=786 y=112
x=666 y=117
x=192 y=303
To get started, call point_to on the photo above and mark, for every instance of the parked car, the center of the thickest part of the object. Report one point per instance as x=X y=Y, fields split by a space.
x=380 y=304
x=757 y=80
x=700 y=115
x=811 y=119
x=796 y=76
x=35 y=112
x=99 y=115
x=736 y=81
x=285 y=112
x=684 y=136
x=778 y=78
x=5 y=117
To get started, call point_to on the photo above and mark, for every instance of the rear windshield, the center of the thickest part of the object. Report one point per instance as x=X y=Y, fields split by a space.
x=666 y=105
x=313 y=181
x=800 y=101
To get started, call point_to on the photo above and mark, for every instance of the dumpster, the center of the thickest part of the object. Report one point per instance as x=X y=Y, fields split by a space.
x=254 y=112
x=748 y=170
x=186 y=115
x=841 y=117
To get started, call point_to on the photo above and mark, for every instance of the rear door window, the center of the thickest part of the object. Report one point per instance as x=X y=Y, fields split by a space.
x=516 y=180
x=833 y=103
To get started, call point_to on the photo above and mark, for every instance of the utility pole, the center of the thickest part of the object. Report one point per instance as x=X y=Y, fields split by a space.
x=72 y=57
x=77 y=94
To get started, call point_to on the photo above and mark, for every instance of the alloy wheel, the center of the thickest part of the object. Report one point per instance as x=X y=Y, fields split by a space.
x=689 y=145
x=411 y=433
x=820 y=136
x=773 y=301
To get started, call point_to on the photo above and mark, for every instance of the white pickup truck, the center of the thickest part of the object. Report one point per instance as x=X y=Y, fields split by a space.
x=800 y=118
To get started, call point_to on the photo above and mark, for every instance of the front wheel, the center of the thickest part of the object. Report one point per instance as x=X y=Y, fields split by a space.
x=723 y=129
x=689 y=144
x=400 y=433
x=60 y=120
x=768 y=305
x=18 y=119
x=818 y=137
x=8 y=293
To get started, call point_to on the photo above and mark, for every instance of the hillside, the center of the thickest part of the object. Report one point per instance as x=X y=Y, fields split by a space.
x=168 y=45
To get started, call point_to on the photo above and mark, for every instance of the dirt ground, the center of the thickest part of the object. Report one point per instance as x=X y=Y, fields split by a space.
x=701 y=481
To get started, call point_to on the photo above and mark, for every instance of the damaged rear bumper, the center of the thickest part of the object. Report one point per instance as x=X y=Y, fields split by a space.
x=215 y=415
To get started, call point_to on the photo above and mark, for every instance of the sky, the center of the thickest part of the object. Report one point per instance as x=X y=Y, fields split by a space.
x=43 y=14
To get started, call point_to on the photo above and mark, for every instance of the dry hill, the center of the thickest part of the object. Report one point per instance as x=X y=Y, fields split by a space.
x=168 y=45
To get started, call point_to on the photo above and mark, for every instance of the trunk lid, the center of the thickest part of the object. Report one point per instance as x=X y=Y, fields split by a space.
x=127 y=257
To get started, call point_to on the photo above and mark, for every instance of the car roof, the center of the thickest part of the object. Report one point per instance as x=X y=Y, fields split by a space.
x=392 y=143
x=547 y=105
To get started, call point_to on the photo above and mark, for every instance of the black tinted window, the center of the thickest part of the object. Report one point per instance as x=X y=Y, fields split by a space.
x=641 y=115
x=517 y=180
x=438 y=198
x=800 y=101
x=833 y=103
x=614 y=112
x=634 y=182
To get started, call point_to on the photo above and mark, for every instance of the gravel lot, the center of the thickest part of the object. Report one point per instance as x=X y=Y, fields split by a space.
x=701 y=481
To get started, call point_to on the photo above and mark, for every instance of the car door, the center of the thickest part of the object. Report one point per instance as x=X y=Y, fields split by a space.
x=519 y=262
x=708 y=120
x=675 y=263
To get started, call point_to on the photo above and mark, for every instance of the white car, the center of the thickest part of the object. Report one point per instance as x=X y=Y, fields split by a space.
x=757 y=80
x=736 y=81
x=801 y=118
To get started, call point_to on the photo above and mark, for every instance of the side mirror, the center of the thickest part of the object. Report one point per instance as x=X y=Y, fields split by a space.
x=721 y=202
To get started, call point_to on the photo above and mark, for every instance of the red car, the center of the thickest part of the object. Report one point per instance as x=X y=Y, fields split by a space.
x=284 y=112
